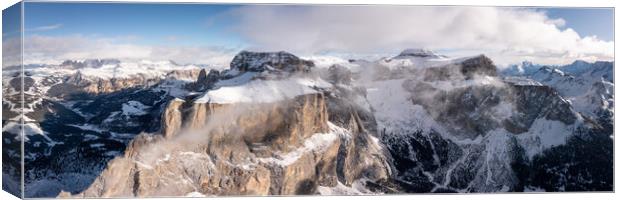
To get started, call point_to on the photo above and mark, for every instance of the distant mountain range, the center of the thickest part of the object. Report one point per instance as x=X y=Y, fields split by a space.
x=273 y=123
x=579 y=67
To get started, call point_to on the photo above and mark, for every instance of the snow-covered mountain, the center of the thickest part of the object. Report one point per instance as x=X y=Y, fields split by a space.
x=454 y=125
x=587 y=86
x=276 y=124
x=596 y=69
x=522 y=69
x=602 y=69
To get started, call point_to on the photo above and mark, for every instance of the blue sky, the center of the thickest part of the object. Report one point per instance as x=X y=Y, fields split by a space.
x=148 y=23
x=593 y=21
x=11 y=20
x=192 y=23
x=175 y=31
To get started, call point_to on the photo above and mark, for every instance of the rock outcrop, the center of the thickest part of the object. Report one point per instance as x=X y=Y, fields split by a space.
x=206 y=80
x=270 y=61
x=172 y=118
x=422 y=53
x=475 y=66
x=190 y=74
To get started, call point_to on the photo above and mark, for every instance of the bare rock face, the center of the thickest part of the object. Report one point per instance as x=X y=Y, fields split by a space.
x=172 y=118
x=422 y=53
x=281 y=124
x=282 y=148
x=467 y=69
x=77 y=84
x=205 y=80
x=271 y=61
x=339 y=74
x=361 y=154
x=189 y=74
x=480 y=65
x=361 y=147
x=473 y=110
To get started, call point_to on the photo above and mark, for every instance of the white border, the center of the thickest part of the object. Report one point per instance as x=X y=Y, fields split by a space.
x=517 y=196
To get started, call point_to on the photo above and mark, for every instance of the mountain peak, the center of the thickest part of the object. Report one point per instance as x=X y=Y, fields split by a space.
x=580 y=62
x=549 y=71
x=479 y=65
x=419 y=52
x=269 y=61
x=77 y=78
x=527 y=63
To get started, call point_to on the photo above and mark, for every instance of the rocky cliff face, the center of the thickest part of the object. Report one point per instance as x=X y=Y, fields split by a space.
x=276 y=148
x=77 y=85
x=172 y=118
x=272 y=61
x=280 y=148
x=205 y=80
x=587 y=86
x=422 y=53
x=458 y=127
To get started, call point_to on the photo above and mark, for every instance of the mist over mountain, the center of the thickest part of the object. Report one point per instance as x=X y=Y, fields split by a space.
x=273 y=123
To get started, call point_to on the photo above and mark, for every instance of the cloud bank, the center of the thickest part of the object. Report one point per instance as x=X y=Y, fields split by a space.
x=508 y=35
x=55 y=49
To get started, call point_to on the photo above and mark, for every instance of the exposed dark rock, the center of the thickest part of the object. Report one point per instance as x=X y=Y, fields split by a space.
x=480 y=65
x=467 y=69
x=338 y=74
x=422 y=53
x=206 y=80
x=269 y=61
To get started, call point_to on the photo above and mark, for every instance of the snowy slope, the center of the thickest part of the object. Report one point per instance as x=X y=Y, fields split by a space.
x=590 y=90
x=263 y=91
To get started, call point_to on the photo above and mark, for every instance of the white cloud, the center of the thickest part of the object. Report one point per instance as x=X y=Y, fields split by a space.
x=45 y=28
x=55 y=49
x=508 y=35
x=11 y=51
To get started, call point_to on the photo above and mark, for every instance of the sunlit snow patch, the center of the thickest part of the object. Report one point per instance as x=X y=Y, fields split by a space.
x=263 y=91
x=319 y=142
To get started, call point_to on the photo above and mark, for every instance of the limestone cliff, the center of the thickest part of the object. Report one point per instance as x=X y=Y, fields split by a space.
x=281 y=148
x=278 y=147
x=78 y=84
